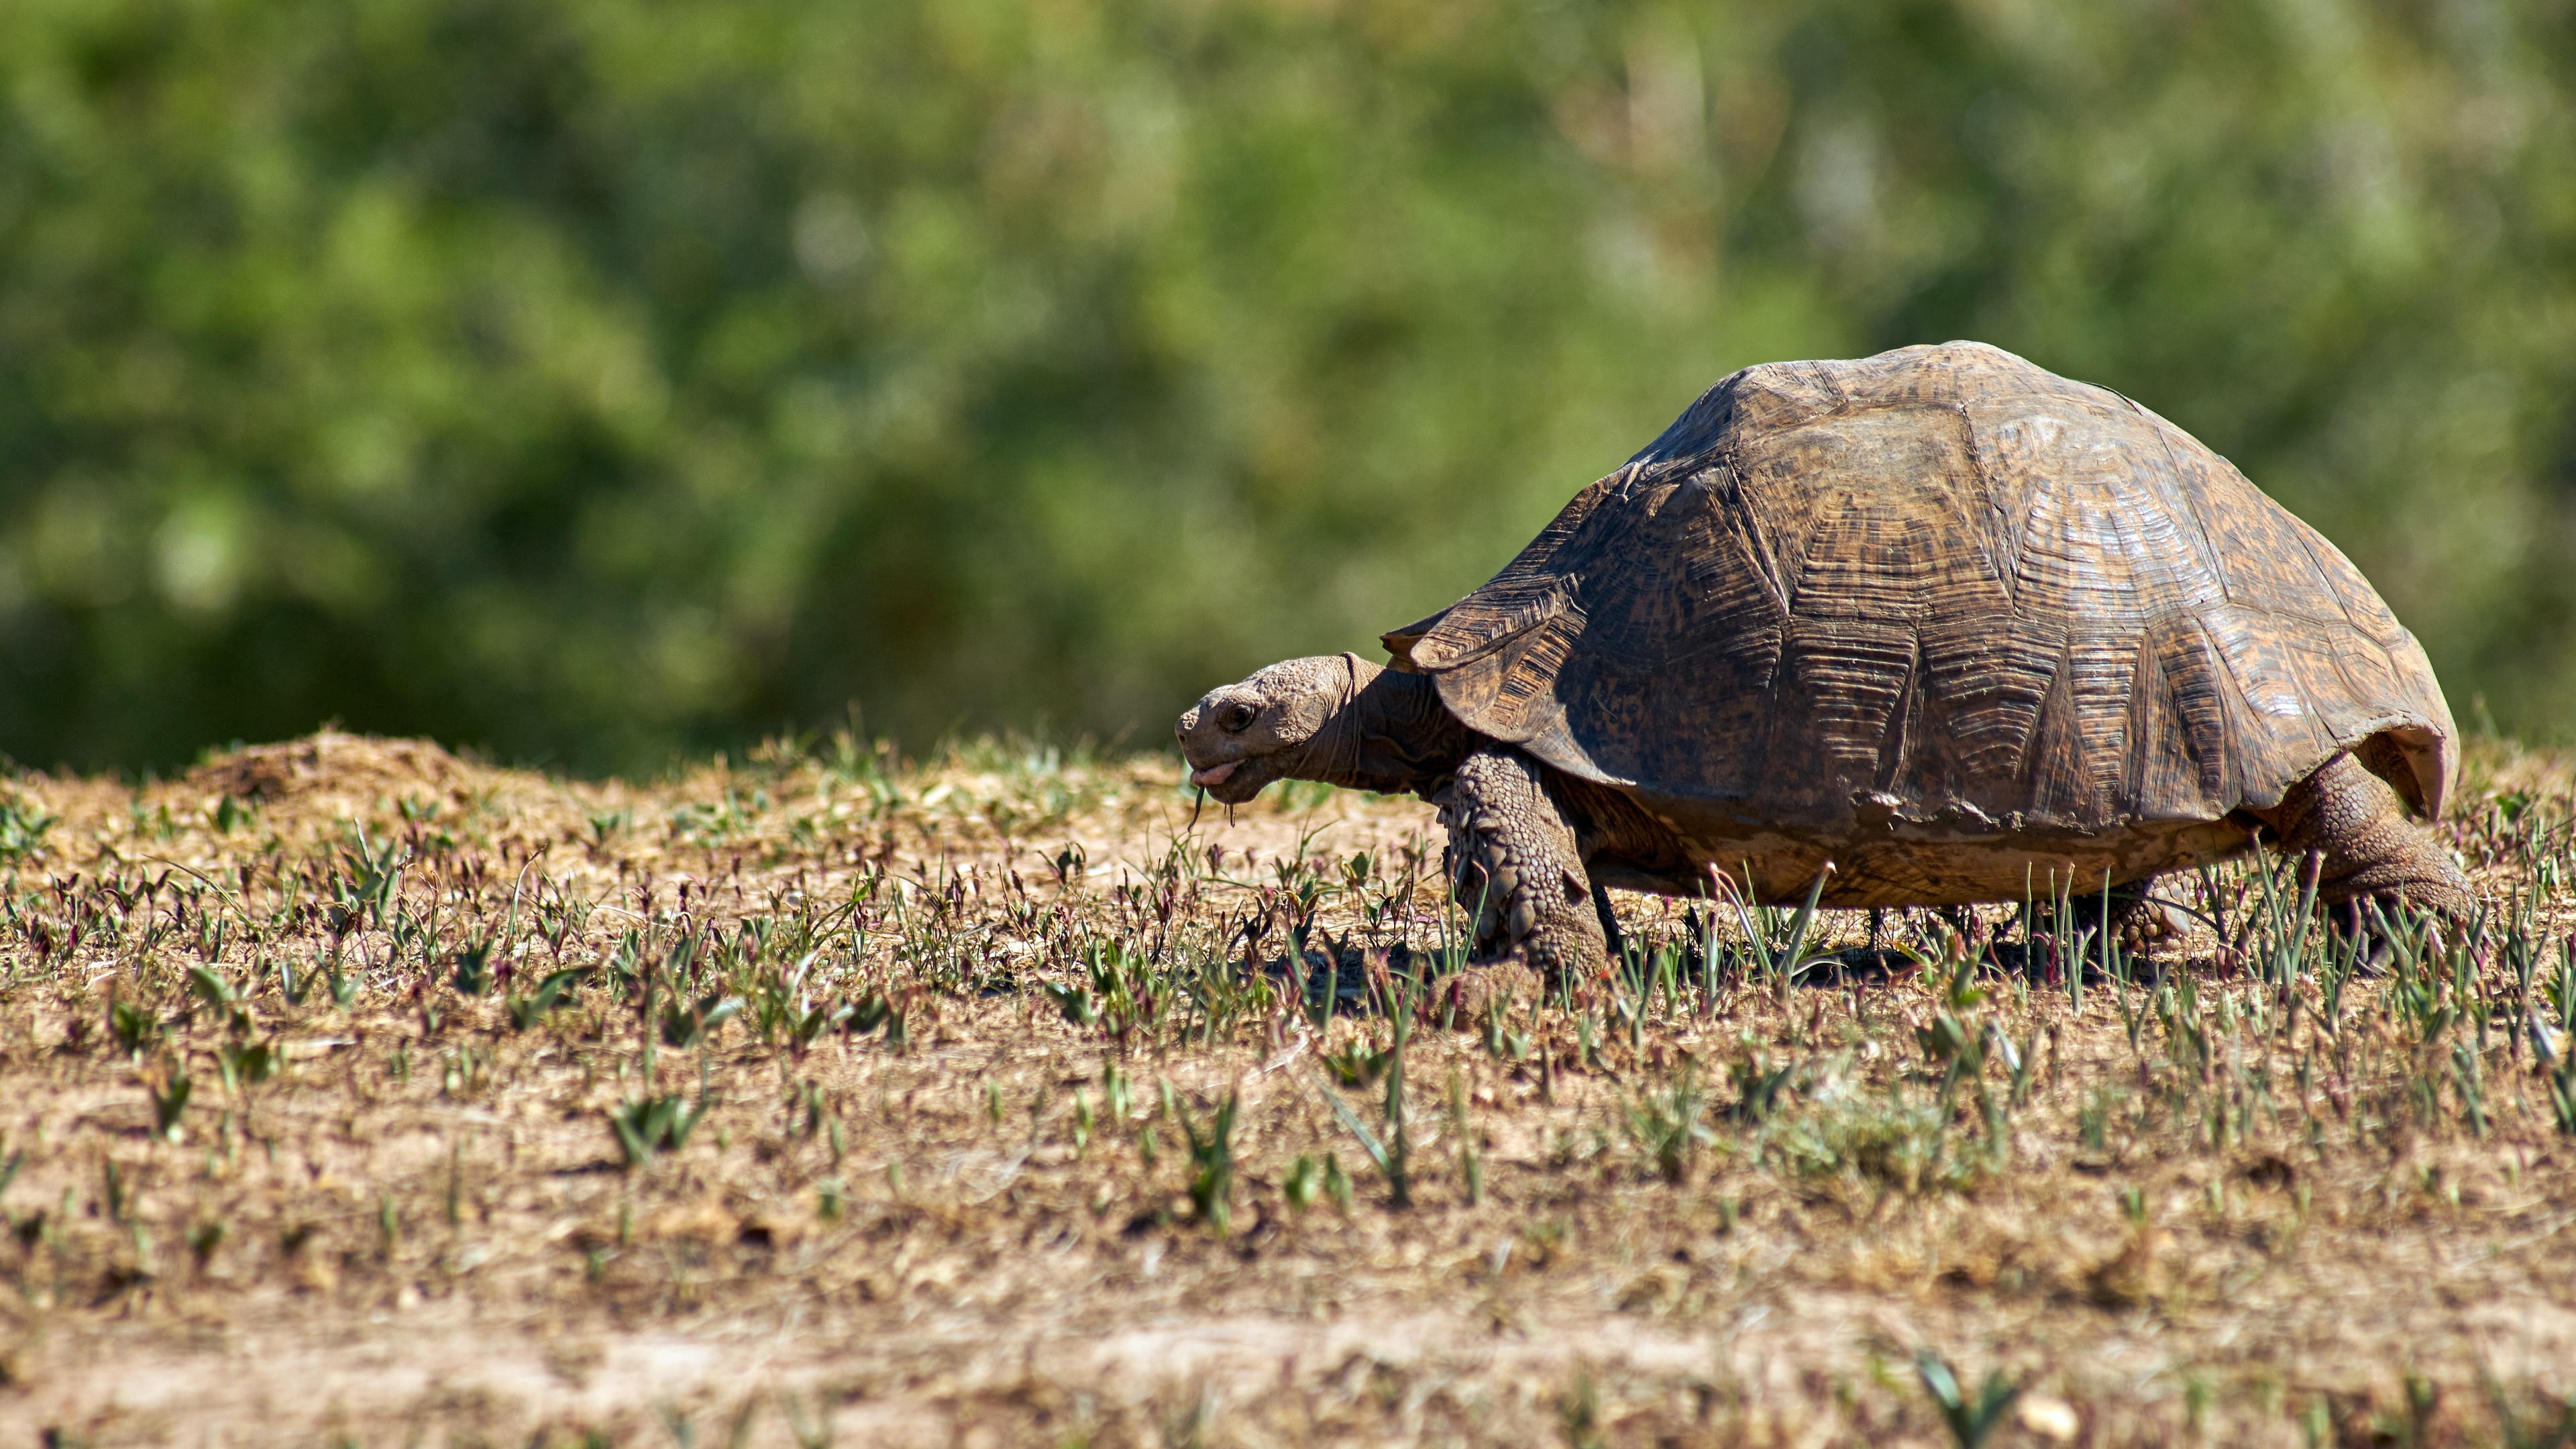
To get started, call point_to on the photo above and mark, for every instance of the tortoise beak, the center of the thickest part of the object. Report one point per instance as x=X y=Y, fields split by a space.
x=1189 y=727
x=1217 y=761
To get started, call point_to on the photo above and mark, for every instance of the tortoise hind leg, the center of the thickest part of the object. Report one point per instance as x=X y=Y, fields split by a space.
x=2140 y=923
x=2368 y=849
x=1515 y=866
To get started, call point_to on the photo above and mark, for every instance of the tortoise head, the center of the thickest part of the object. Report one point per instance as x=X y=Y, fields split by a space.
x=1286 y=722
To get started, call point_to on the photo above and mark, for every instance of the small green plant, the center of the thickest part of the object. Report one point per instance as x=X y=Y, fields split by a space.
x=1667 y=1125
x=1875 y=1139
x=246 y=1064
x=526 y=1011
x=295 y=986
x=2560 y=1077
x=1957 y=1047
x=806 y=1023
x=2545 y=1422
x=344 y=989
x=1117 y=1094
x=1636 y=981
x=647 y=1128
x=1356 y=1066
x=2470 y=1083
x=229 y=812
x=219 y=997
x=473 y=968
x=205 y=1238
x=169 y=1101
x=22 y=830
x=1578 y=1413
x=370 y=875
x=1081 y=1122
x=1304 y=1182
x=1387 y=1155
x=1119 y=991
x=135 y=1029
x=1212 y=1166
x=1074 y=1001
x=2021 y=1060
x=1971 y=1423
x=873 y=1010
x=1462 y=1128
x=1503 y=1041
x=2093 y=1119
x=1759 y=1083
x=687 y=1026
x=1777 y=962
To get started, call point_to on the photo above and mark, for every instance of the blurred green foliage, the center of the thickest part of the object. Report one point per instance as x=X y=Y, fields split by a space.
x=590 y=380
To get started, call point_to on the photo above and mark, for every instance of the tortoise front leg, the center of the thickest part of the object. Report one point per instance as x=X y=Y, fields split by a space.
x=1515 y=866
x=2368 y=849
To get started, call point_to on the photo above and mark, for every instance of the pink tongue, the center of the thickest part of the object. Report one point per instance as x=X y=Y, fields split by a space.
x=1214 y=774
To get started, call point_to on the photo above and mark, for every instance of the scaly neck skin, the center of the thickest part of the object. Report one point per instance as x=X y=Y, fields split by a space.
x=1390 y=734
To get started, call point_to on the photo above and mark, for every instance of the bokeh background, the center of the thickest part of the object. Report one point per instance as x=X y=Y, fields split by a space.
x=591 y=381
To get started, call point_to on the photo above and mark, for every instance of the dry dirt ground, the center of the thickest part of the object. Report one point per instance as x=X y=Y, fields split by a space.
x=353 y=1093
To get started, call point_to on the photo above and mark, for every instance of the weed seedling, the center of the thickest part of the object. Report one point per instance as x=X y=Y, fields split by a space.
x=1970 y=1423
x=655 y=1125
x=687 y=1027
x=1116 y=1094
x=169 y=1100
x=1503 y=1041
x=1758 y=1083
x=1337 y=1184
x=245 y=1064
x=526 y=1011
x=1356 y=1066
x=1778 y=963
x=1388 y=1155
x=1212 y=1166
x=1471 y=1161
x=135 y=1029
x=1303 y=1182
x=203 y=1240
x=22 y=830
x=473 y=969
x=1667 y=1125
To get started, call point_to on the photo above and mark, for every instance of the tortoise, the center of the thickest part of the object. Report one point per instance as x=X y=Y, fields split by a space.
x=1934 y=627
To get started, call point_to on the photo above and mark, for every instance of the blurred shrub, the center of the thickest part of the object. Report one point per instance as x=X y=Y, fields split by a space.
x=593 y=380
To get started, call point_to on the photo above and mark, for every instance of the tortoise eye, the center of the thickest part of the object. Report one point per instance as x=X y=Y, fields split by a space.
x=1238 y=719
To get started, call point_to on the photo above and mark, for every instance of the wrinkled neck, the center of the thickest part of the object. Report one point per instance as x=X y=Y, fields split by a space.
x=1390 y=734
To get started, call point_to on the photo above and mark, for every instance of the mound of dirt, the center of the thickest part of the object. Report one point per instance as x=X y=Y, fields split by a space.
x=330 y=763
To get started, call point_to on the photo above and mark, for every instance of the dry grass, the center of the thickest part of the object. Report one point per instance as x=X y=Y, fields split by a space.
x=924 y=1200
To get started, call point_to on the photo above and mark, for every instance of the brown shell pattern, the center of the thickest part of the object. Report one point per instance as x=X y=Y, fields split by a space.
x=1943 y=589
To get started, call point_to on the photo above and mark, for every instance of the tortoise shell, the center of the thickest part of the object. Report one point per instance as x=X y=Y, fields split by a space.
x=1946 y=619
